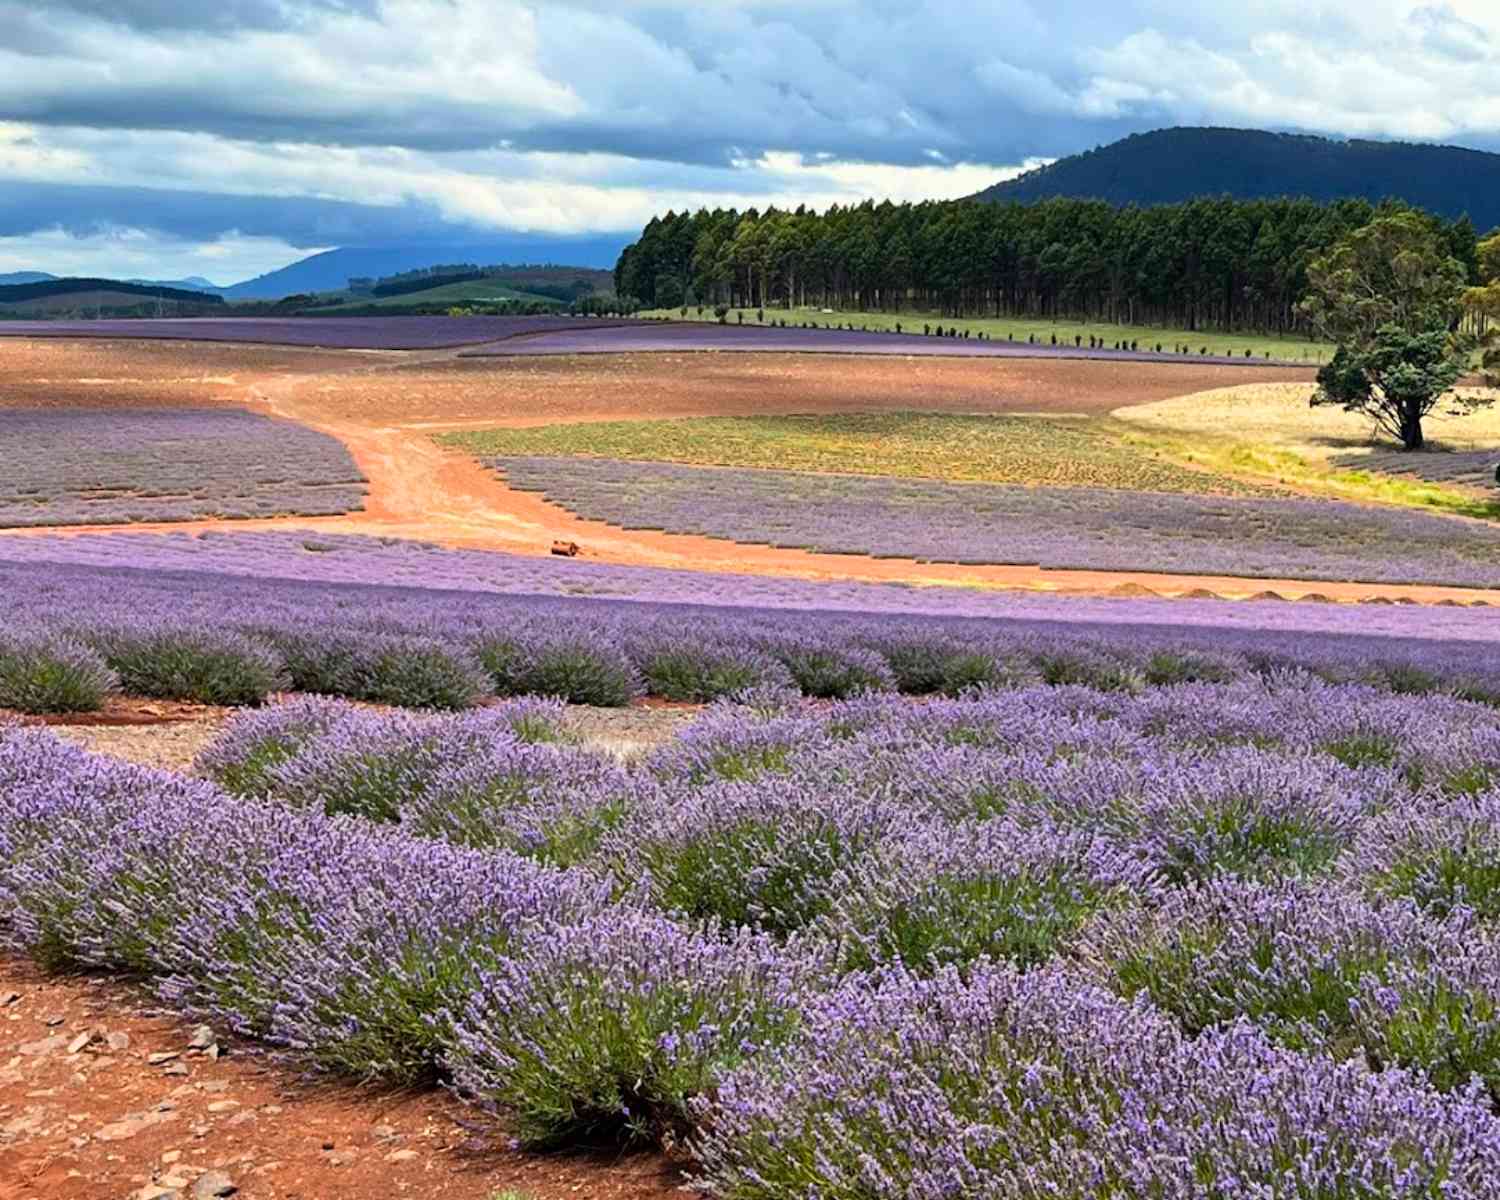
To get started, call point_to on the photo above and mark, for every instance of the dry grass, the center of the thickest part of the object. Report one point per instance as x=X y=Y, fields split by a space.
x=1269 y=431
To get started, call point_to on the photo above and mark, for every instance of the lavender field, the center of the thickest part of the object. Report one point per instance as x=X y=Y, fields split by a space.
x=1065 y=941
x=114 y=466
x=335 y=333
x=233 y=619
x=1081 y=528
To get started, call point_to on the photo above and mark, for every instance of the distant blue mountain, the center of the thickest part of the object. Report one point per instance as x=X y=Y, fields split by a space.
x=193 y=283
x=332 y=270
x=25 y=277
x=1169 y=166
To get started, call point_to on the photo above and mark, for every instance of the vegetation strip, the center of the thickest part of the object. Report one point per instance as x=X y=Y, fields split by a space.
x=998 y=449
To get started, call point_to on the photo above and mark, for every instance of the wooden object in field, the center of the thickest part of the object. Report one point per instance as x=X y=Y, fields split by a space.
x=565 y=549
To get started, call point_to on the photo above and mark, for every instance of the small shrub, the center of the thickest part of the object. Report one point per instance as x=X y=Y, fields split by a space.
x=703 y=672
x=44 y=672
x=579 y=668
x=611 y=1028
x=200 y=664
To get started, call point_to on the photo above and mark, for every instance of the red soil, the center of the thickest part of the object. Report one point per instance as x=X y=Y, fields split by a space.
x=100 y=1122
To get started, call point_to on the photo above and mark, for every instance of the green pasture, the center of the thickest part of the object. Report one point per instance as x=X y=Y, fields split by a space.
x=1285 y=349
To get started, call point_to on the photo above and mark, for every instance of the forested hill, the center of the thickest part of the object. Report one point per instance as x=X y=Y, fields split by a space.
x=1172 y=165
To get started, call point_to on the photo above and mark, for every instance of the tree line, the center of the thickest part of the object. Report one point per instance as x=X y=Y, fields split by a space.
x=1214 y=263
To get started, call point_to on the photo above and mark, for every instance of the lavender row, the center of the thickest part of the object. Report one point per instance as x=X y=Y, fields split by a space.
x=393 y=567
x=231 y=640
x=579 y=1012
x=343 y=333
x=111 y=467
x=1056 y=528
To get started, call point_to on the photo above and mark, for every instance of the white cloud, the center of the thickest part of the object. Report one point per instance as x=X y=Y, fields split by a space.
x=135 y=253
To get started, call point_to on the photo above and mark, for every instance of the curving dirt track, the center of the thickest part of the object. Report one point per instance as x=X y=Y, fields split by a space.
x=385 y=405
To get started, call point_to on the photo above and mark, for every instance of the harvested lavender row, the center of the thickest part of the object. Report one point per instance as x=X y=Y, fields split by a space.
x=113 y=467
x=397 y=563
x=230 y=639
x=791 y=941
x=347 y=333
x=1056 y=528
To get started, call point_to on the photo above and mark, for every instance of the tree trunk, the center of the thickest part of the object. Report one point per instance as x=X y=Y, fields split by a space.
x=1411 y=427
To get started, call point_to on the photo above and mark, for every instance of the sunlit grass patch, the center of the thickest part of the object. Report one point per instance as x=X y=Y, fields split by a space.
x=1046 y=451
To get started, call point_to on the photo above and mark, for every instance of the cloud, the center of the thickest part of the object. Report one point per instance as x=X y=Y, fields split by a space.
x=311 y=121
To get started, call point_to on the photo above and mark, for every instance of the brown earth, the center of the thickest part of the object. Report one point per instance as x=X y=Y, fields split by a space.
x=86 y=1115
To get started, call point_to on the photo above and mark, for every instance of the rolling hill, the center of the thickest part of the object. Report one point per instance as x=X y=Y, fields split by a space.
x=1171 y=165
x=331 y=270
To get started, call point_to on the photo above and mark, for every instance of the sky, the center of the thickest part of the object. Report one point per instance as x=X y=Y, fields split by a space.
x=224 y=138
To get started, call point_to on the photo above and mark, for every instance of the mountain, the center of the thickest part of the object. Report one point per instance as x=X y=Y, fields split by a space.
x=193 y=283
x=1171 y=165
x=17 y=277
x=332 y=270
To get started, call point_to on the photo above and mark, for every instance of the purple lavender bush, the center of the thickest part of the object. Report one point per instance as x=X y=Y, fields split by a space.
x=580 y=666
x=468 y=777
x=679 y=665
x=612 y=1027
x=382 y=666
x=993 y=890
x=994 y=1083
x=1319 y=970
x=323 y=935
x=765 y=853
x=1444 y=856
x=46 y=672
x=202 y=663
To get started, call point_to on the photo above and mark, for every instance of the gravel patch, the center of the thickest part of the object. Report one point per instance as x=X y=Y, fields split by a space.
x=170 y=747
x=624 y=732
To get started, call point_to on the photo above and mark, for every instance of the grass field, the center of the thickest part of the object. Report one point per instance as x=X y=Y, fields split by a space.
x=1269 y=431
x=1285 y=349
x=1043 y=451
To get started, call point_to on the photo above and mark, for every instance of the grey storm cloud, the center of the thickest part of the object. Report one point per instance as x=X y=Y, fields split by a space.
x=696 y=83
x=86 y=211
x=575 y=115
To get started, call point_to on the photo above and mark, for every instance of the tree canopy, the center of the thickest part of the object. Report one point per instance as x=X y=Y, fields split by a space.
x=1391 y=296
x=1213 y=263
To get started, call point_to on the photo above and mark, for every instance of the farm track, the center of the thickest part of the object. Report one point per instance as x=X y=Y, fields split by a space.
x=385 y=409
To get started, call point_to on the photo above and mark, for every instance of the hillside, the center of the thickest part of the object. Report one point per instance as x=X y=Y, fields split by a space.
x=1171 y=165
x=469 y=292
x=48 y=297
x=331 y=270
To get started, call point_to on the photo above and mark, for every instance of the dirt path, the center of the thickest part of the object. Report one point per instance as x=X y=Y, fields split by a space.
x=385 y=407
x=102 y=1097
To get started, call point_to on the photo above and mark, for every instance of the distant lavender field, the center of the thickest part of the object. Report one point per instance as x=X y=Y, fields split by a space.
x=339 y=333
x=424 y=578
x=562 y=335
x=687 y=336
x=1059 y=528
x=1475 y=468
x=114 y=466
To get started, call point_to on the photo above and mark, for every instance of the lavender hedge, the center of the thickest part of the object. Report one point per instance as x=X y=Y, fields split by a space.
x=116 y=466
x=194 y=607
x=1059 y=528
x=1048 y=941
